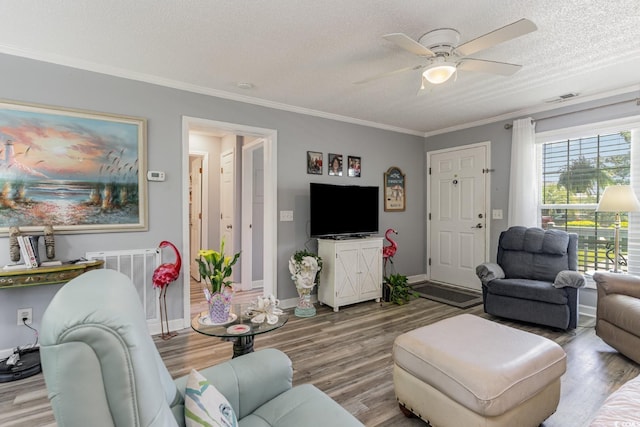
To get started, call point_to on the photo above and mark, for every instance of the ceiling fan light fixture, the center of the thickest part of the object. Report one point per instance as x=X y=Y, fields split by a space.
x=439 y=72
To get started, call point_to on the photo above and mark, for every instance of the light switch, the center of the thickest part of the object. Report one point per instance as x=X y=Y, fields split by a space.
x=286 y=215
x=496 y=214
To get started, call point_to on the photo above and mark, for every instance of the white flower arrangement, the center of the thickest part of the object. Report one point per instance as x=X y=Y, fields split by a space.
x=265 y=308
x=304 y=267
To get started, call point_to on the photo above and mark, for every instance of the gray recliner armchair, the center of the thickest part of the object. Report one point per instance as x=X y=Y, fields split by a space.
x=102 y=368
x=535 y=278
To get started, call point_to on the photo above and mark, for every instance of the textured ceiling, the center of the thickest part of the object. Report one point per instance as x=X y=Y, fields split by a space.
x=305 y=55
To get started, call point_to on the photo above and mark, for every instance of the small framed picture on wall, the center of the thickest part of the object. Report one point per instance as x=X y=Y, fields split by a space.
x=335 y=164
x=354 y=166
x=314 y=162
x=394 y=190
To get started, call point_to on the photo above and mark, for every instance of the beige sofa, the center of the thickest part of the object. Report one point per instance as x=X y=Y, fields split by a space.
x=618 y=312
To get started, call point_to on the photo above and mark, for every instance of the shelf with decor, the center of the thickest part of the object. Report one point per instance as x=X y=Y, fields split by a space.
x=50 y=275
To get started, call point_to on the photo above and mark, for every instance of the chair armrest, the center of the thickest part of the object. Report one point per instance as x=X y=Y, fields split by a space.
x=249 y=381
x=487 y=271
x=569 y=278
x=616 y=283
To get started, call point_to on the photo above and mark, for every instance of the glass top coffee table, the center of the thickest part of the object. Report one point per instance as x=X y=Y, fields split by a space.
x=239 y=328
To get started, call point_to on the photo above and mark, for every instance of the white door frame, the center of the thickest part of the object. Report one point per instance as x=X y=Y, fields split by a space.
x=270 y=285
x=247 y=211
x=204 y=197
x=227 y=195
x=487 y=192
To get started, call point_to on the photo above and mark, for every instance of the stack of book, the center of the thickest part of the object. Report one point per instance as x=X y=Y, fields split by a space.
x=29 y=250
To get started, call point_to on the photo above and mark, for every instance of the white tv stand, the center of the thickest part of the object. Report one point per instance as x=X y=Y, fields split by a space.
x=351 y=271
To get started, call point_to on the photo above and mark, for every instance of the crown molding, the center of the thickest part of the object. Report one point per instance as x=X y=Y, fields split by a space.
x=176 y=84
x=537 y=109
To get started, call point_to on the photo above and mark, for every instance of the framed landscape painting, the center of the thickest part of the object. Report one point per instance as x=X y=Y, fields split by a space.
x=75 y=170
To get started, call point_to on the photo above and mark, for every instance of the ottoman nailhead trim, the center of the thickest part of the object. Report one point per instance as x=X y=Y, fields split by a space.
x=412 y=411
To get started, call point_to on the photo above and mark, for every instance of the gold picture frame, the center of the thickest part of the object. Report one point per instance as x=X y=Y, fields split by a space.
x=79 y=171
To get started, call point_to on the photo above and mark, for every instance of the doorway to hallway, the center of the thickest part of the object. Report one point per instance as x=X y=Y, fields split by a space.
x=263 y=142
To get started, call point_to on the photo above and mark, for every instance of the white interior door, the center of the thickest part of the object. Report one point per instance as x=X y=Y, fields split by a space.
x=252 y=214
x=457 y=198
x=195 y=212
x=227 y=194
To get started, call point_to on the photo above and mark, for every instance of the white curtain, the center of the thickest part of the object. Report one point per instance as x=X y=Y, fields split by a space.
x=523 y=180
x=633 y=243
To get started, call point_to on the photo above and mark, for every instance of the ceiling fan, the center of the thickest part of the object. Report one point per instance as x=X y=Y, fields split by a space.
x=444 y=56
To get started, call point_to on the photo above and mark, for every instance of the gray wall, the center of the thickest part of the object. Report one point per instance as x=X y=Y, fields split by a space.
x=32 y=81
x=560 y=118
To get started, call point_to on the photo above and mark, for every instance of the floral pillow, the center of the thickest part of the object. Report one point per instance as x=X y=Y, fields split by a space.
x=204 y=405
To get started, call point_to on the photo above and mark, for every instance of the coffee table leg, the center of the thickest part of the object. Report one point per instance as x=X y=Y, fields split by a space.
x=242 y=345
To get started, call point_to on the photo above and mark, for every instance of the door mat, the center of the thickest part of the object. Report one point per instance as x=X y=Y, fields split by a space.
x=448 y=295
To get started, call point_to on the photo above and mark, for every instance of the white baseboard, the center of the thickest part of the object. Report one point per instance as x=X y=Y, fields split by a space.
x=587 y=310
x=417 y=278
x=174 y=325
x=6 y=353
x=177 y=324
x=292 y=302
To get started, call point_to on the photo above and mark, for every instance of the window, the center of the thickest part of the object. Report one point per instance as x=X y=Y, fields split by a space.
x=573 y=175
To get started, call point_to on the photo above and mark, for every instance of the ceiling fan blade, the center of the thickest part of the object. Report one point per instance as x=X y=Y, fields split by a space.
x=508 y=32
x=484 y=66
x=389 y=73
x=409 y=44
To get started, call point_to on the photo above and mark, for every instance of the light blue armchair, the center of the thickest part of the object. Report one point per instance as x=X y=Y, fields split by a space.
x=102 y=368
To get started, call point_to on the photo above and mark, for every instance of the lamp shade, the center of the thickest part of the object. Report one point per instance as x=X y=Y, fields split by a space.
x=618 y=198
x=439 y=72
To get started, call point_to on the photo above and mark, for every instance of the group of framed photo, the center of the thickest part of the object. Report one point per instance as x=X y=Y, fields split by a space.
x=336 y=164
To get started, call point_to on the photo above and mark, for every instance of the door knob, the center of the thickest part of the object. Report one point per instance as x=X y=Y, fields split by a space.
x=478 y=225
x=229 y=227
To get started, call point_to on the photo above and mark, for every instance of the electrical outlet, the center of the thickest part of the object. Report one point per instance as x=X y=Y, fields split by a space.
x=25 y=313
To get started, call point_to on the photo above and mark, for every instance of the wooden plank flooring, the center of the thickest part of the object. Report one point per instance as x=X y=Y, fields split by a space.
x=348 y=355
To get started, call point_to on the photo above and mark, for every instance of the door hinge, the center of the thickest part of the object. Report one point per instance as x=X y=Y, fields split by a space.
x=429 y=261
x=220 y=215
x=221 y=171
x=429 y=216
x=199 y=216
x=200 y=170
x=429 y=171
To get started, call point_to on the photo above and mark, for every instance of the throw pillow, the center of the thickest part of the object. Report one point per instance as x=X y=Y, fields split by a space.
x=204 y=405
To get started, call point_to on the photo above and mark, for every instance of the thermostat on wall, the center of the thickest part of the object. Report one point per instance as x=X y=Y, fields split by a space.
x=155 y=176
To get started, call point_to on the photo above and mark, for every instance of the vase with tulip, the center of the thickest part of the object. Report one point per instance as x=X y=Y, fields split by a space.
x=215 y=269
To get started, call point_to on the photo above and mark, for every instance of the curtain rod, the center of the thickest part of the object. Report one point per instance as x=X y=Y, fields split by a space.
x=636 y=100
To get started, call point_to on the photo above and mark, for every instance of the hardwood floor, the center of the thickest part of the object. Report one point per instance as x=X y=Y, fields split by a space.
x=348 y=355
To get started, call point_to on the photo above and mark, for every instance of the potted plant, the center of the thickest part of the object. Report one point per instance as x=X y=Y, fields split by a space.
x=304 y=267
x=215 y=269
x=397 y=289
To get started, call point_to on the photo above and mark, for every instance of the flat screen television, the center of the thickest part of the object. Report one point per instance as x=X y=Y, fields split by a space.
x=343 y=210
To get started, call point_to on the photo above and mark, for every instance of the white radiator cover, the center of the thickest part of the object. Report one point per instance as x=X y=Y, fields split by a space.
x=138 y=265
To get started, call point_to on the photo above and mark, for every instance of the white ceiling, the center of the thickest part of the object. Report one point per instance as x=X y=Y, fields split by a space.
x=304 y=55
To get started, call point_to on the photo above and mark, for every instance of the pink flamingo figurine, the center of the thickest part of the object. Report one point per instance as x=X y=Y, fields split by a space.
x=162 y=278
x=389 y=251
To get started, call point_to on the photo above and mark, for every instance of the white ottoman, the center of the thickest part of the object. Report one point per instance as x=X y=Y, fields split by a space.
x=468 y=371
